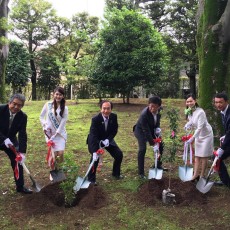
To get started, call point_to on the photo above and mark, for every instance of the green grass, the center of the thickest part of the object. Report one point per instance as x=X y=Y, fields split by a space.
x=129 y=213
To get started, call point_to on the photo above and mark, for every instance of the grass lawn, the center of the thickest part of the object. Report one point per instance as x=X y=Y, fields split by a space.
x=123 y=209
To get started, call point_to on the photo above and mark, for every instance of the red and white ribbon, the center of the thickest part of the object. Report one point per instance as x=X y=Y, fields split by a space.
x=49 y=157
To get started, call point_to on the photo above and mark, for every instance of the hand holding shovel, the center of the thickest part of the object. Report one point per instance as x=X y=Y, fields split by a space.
x=155 y=172
x=56 y=174
x=35 y=185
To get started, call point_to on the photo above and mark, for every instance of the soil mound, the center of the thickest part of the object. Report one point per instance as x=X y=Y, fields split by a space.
x=186 y=193
x=52 y=197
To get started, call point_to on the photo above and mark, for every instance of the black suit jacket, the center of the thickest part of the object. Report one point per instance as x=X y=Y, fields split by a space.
x=226 y=144
x=146 y=125
x=18 y=127
x=98 y=133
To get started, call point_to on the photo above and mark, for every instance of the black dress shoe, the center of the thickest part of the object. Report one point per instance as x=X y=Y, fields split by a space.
x=218 y=183
x=142 y=176
x=24 y=190
x=120 y=177
x=164 y=169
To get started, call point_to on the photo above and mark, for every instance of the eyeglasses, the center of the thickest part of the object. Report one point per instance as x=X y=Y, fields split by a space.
x=16 y=104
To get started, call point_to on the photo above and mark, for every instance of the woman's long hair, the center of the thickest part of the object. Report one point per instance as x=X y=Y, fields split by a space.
x=62 y=103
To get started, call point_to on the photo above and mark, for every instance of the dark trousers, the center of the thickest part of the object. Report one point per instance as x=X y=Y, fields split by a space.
x=142 y=143
x=223 y=172
x=117 y=154
x=11 y=155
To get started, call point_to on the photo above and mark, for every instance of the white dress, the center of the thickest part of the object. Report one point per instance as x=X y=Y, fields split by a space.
x=203 y=133
x=59 y=130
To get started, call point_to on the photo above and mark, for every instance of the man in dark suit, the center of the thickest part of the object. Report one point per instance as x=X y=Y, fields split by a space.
x=221 y=103
x=146 y=130
x=12 y=122
x=104 y=127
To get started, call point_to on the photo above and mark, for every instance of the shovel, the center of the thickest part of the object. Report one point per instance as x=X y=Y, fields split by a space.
x=155 y=172
x=83 y=182
x=185 y=172
x=204 y=185
x=56 y=174
x=35 y=185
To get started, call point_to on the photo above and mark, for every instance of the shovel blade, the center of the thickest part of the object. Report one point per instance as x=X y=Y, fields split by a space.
x=81 y=183
x=155 y=173
x=57 y=175
x=36 y=187
x=203 y=185
x=185 y=173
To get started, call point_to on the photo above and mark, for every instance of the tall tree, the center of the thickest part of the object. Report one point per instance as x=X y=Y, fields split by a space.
x=48 y=74
x=131 y=53
x=18 y=70
x=74 y=44
x=3 y=45
x=30 y=20
x=213 y=41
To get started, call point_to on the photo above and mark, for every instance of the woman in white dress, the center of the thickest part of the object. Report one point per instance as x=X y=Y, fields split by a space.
x=203 y=135
x=53 y=119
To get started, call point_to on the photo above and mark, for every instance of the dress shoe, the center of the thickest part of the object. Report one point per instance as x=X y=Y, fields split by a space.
x=142 y=176
x=196 y=179
x=164 y=169
x=120 y=177
x=218 y=183
x=24 y=190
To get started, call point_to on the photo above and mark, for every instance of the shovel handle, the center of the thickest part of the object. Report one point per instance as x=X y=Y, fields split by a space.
x=213 y=164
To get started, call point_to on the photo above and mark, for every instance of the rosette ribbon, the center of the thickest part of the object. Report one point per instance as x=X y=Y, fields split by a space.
x=100 y=153
x=49 y=158
x=16 y=170
x=187 y=147
x=216 y=167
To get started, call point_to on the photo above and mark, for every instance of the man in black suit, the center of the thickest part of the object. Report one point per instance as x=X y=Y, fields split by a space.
x=221 y=103
x=146 y=130
x=12 y=122
x=103 y=129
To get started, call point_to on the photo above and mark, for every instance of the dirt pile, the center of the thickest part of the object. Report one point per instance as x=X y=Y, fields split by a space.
x=51 y=197
x=186 y=193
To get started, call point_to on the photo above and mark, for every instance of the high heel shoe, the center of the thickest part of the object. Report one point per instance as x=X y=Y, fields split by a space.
x=196 y=179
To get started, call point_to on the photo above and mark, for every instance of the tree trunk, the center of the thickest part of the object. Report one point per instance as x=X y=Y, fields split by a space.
x=192 y=78
x=213 y=52
x=4 y=48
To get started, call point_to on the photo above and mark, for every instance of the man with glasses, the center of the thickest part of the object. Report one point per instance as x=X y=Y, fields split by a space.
x=103 y=129
x=146 y=130
x=13 y=133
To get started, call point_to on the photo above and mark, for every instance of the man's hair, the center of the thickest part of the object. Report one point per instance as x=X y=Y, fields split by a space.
x=104 y=101
x=155 y=100
x=222 y=95
x=19 y=97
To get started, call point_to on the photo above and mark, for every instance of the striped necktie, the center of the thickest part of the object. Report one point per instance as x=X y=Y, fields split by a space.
x=106 y=123
x=11 y=119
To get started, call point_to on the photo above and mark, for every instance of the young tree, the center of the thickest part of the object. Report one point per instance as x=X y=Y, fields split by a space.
x=18 y=69
x=3 y=45
x=30 y=20
x=131 y=53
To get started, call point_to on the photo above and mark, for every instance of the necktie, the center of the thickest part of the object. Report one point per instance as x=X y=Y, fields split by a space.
x=11 y=120
x=106 y=123
x=222 y=117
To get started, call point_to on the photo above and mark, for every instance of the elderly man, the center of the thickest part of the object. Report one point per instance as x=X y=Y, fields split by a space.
x=103 y=129
x=12 y=123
